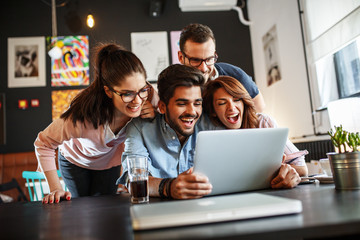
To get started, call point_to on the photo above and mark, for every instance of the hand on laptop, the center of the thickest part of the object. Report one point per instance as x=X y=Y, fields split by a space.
x=190 y=185
x=286 y=178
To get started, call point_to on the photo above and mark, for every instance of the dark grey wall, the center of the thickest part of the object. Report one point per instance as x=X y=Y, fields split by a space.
x=115 y=20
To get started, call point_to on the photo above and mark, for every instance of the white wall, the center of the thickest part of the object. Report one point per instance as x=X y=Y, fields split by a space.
x=287 y=100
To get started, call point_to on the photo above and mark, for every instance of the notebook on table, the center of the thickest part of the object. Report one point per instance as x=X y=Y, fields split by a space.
x=210 y=209
x=240 y=160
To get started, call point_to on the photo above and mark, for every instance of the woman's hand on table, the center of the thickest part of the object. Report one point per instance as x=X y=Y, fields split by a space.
x=286 y=178
x=55 y=196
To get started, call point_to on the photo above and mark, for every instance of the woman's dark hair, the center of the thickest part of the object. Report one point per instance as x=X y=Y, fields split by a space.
x=178 y=75
x=195 y=32
x=235 y=89
x=112 y=65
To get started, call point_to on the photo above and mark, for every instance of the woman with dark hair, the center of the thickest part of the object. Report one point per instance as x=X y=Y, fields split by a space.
x=228 y=104
x=89 y=135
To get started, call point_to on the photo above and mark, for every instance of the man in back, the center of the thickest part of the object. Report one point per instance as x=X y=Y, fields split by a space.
x=197 y=49
x=168 y=141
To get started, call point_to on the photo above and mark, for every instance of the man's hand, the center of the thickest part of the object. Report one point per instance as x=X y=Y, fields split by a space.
x=147 y=110
x=287 y=177
x=190 y=185
x=122 y=189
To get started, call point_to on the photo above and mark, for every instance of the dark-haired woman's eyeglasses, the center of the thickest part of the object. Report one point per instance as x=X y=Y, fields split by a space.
x=129 y=96
x=196 y=62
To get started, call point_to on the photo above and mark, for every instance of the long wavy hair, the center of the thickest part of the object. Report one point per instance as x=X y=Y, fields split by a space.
x=112 y=65
x=236 y=90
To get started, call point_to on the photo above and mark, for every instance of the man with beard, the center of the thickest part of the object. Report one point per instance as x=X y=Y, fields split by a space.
x=197 y=49
x=168 y=141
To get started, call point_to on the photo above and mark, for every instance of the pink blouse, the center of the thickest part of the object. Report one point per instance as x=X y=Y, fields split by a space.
x=293 y=155
x=82 y=145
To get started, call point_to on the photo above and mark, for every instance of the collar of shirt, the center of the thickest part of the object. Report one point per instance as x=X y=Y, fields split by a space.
x=110 y=136
x=167 y=131
x=157 y=141
x=215 y=75
x=168 y=157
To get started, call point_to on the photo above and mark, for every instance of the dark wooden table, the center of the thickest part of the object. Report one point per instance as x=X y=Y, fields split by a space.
x=326 y=213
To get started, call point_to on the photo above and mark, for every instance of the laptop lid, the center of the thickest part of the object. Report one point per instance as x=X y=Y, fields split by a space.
x=240 y=160
x=210 y=209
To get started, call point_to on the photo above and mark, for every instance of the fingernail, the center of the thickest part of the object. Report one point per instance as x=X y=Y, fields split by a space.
x=51 y=201
x=68 y=198
x=57 y=200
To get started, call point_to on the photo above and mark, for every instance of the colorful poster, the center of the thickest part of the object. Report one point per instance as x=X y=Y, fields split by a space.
x=70 y=67
x=61 y=100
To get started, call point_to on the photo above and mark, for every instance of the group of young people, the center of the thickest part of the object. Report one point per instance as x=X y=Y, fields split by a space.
x=120 y=114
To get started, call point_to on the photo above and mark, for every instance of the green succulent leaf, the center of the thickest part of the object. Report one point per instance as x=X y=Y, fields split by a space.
x=340 y=137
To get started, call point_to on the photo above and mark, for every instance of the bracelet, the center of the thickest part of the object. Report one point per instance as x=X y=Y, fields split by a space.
x=161 y=187
x=168 y=188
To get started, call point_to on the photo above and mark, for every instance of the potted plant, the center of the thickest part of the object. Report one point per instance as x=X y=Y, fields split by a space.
x=345 y=162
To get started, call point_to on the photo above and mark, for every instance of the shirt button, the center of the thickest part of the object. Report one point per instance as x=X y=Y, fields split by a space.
x=173 y=138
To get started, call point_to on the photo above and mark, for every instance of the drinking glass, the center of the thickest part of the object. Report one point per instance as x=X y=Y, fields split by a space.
x=139 y=178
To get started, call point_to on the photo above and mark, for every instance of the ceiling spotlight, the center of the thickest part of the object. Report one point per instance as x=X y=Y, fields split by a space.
x=90 y=21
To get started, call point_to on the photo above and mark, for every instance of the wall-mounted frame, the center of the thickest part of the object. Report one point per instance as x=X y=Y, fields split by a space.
x=175 y=46
x=271 y=52
x=2 y=119
x=61 y=100
x=152 y=49
x=26 y=62
x=71 y=68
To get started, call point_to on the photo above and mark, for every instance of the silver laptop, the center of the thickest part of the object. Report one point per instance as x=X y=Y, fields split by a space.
x=210 y=209
x=240 y=160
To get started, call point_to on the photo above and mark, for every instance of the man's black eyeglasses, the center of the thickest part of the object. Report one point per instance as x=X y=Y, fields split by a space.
x=196 y=62
x=129 y=96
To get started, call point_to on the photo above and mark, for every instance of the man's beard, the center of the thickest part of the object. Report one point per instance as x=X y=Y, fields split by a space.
x=177 y=128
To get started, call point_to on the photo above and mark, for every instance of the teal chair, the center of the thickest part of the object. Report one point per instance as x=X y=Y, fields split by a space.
x=36 y=177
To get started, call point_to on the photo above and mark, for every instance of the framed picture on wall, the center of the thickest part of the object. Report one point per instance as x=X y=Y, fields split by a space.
x=71 y=66
x=271 y=52
x=26 y=62
x=175 y=45
x=61 y=100
x=152 y=49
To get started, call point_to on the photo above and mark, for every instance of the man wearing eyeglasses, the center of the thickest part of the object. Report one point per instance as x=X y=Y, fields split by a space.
x=197 y=49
